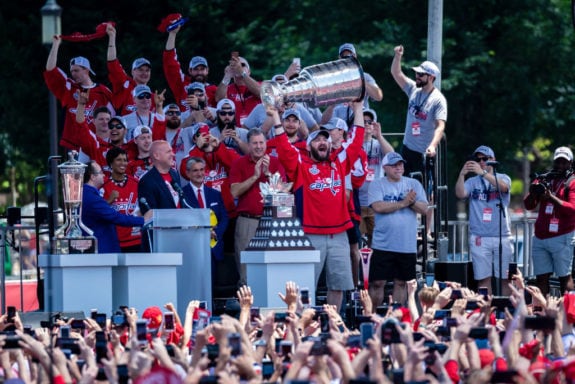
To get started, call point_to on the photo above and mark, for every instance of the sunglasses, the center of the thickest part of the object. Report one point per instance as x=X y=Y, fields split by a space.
x=480 y=159
x=144 y=96
x=226 y=113
x=172 y=113
x=116 y=126
x=244 y=65
x=368 y=122
x=420 y=74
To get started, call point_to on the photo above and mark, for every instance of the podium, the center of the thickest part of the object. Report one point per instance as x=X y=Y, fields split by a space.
x=78 y=281
x=186 y=231
x=142 y=280
x=268 y=272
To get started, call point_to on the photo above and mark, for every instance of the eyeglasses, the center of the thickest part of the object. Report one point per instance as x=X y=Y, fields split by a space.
x=480 y=159
x=226 y=113
x=144 y=96
x=172 y=113
x=116 y=126
x=421 y=74
x=368 y=122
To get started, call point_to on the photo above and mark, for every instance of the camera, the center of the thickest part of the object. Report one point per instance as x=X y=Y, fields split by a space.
x=542 y=182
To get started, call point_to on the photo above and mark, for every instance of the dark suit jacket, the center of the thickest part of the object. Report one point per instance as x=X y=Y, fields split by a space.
x=101 y=218
x=213 y=200
x=153 y=188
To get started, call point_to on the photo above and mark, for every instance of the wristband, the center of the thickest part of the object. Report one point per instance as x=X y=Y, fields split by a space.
x=278 y=126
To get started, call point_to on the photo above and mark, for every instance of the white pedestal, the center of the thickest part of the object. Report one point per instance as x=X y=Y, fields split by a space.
x=78 y=282
x=268 y=272
x=142 y=280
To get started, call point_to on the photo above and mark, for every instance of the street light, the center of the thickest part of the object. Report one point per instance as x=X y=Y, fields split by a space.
x=51 y=23
x=51 y=26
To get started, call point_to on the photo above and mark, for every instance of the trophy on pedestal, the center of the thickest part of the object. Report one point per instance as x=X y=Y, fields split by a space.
x=278 y=229
x=70 y=239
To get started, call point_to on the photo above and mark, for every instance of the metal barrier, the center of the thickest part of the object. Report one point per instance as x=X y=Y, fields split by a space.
x=522 y=230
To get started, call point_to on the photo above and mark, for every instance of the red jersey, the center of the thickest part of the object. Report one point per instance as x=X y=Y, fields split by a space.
x=178 y=81
x=66 y=91
x=138 y=167
x=122 y=88
x=244 y=100
x=218 y=164
x=321 y=185
x=126 y=203
x=242 y=169
x=553 y=219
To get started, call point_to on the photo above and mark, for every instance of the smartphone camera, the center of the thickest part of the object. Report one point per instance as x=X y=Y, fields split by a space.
x=142 y=331
x=235 y=343
x=10 y=314
x=280 y=317
x=305 y=296
x=366 y=330
x=169 y=324
x=324 y=322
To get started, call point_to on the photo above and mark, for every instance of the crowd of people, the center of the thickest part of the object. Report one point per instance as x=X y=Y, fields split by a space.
x=444 y=334
x=213 y=146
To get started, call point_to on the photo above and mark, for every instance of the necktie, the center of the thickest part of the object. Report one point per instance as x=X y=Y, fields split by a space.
x=200 y=200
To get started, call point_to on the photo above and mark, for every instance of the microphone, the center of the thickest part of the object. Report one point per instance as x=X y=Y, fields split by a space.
x=144 y=203
x=180 y=192
x=492 y=163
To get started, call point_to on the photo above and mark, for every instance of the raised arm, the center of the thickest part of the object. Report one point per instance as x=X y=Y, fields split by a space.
x=396 y=71
x=53 y=55
x=111 y=31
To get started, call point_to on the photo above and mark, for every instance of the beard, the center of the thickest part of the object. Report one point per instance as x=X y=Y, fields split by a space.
x=201 y=78
x=317 y=156
x=173 y=124
x=223 y=125
x=421 y=84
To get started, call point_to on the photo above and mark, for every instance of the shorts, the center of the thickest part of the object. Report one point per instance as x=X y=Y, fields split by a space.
x=353 y=234
x=484 y=252
x=553 y=255
x=334 y=254
x=388 y=266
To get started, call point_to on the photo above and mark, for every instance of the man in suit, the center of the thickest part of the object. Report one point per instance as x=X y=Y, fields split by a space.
x=99 y=216
x=200 y=196
x=160 y=187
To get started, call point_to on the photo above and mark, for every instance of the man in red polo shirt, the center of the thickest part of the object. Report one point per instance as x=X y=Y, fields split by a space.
x=246 y=174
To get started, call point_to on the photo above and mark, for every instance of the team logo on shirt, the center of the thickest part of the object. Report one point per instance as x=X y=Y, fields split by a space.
x=313 y=170
x=330 y=183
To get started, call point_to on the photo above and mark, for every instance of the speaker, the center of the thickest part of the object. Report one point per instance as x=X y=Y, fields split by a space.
x=34 y=318
x=457 y=271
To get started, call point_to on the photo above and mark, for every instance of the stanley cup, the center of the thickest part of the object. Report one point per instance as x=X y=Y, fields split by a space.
x=334 y=82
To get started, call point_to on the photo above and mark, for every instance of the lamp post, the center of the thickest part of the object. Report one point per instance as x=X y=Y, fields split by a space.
x=51 y=26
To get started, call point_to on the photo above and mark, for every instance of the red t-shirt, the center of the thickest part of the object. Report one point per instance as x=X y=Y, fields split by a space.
x=125 y=203
x=242 y=169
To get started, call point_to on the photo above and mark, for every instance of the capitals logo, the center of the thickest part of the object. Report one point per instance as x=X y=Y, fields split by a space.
x=329 y=183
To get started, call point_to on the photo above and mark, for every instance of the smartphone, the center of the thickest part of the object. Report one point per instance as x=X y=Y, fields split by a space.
x=65 y=331
x=77 y=324
x=11 y=342
x=543 y=323
x=93 y=313
x=203 y=304
x=395 y=305
x=478 y=333
x=354 y=341
x=503 y=376
x=417 y=336
x=277 y=346
x=484 y=291
x=235 y=343
x=122 y=370
x=389 y=334
x=456 y=294
x=471 y=305
x=280 y=317
x=235 y=54
x=101 y=320
x=170 y=350
x=11 y=313
x=324 y=322
x=355 y=296
x=285 y=347
x=382 y=310
x=305 y=296
x=119 y=320
x=169 y=325
x=450 y=322
x=213 y=351
x=442 y=285
x=398 y=376
x=441 y=314
x=142 y=331
x=501 y=302
x=366 y=330
x=101 y=350
x=429 y=279
x=267 y=369
x=254 y=314
x=215 y=320
x=297 y=60
x=209 y=380
x=29 y=331
x=512 y=271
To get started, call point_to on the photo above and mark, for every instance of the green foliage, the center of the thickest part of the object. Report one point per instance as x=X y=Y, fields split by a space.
x=507 y=67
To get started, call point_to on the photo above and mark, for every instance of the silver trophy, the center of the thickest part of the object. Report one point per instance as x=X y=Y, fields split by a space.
x=70 y=238
x=334 y=82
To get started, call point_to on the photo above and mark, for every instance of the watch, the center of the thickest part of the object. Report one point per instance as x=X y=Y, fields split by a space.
x=244 y=74
x=484 y=172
